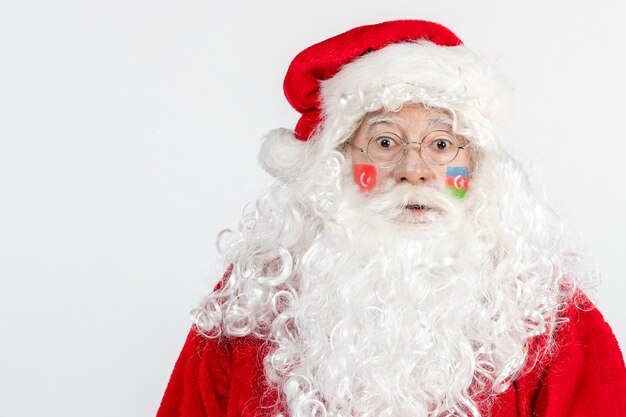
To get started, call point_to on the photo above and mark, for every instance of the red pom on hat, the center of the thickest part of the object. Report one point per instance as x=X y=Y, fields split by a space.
x=323 y=60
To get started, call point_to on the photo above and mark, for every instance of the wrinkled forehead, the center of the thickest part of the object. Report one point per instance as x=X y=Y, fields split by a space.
x=391 y=118
x=409 y=117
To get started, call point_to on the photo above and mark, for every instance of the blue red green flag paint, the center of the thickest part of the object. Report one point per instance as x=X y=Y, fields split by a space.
x=457 y=181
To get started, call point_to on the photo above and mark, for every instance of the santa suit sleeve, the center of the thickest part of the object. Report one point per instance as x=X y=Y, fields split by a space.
x=200 y=382
x=585 y=376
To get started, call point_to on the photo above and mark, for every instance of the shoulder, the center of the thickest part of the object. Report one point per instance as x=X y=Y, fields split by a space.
x=583 y=372
x=209 y=374
x=222 y=353
x=583 y=332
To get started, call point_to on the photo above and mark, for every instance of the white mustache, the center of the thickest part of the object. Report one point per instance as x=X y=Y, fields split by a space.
x=391 y=199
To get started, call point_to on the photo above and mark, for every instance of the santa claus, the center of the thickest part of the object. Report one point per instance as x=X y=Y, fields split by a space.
x=400 y=265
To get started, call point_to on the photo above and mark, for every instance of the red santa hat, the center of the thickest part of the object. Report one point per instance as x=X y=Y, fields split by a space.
x=336 y=82
x=329 y=82
x=323 y=60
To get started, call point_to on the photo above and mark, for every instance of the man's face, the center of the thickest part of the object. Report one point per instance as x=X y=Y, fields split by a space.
x=411 y=124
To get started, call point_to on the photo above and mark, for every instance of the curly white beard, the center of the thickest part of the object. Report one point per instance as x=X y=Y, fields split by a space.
x=372 y=310
x=396 y=317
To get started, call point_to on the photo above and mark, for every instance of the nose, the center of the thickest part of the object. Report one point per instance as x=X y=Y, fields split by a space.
x=413 y=169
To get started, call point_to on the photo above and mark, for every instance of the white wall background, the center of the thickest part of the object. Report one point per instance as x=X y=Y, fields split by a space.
x=128 y=138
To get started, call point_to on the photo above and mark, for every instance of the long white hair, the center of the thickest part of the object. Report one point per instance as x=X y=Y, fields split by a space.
x=368 y=318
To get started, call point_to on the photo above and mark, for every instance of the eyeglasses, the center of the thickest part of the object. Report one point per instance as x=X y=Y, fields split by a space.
x=387 y=150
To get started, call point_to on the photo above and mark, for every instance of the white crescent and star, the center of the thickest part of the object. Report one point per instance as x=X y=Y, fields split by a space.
x=364 y=180
x=458 y=181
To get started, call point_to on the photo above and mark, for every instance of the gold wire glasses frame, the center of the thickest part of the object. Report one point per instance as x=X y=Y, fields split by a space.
x=387 y=150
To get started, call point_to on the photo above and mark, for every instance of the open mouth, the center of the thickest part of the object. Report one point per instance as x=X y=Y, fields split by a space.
x=415 y=213
x=416 y=208
x=418 y=213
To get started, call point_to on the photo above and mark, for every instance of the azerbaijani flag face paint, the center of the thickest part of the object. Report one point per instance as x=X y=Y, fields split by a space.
x=456 y=181
x=365 y=176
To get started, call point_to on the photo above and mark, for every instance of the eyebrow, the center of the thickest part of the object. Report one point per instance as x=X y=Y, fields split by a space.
x=440 y=121
x=386 y=119
x=378 y=119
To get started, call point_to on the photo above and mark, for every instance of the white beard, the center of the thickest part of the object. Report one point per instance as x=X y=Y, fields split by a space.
x=394 y=316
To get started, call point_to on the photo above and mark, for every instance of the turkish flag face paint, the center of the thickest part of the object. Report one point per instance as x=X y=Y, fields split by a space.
x=365 y=176
x=457 y=181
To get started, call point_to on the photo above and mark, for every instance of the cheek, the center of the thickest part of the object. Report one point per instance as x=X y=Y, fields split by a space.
x=464 y=159
x=358 y=157
x=369 y=177
x=457 y=180
x=365 y=176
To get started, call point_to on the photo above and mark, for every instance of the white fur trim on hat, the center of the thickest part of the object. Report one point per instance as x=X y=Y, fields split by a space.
x=448 y=77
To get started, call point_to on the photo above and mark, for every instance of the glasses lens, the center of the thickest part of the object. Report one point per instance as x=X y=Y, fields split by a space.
x=439 y=147
x=385 y=150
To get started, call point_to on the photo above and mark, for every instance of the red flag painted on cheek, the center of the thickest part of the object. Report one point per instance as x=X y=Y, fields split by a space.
x=365 y=176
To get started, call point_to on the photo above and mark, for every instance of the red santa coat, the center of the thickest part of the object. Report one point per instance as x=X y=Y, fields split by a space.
x=584 y=377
